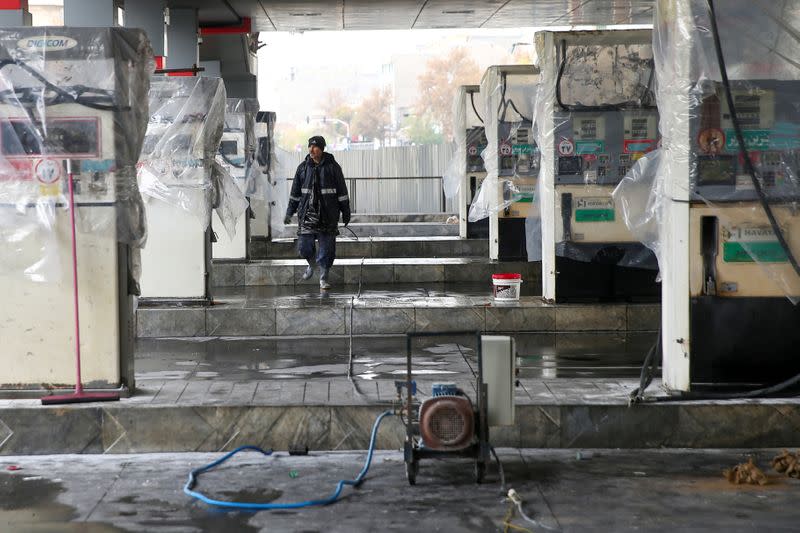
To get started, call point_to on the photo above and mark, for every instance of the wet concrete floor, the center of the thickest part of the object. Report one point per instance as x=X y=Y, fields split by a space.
x=545 y=355
x=607 y=490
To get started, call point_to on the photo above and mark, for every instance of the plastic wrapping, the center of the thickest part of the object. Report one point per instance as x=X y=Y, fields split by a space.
x=237 y=150
x=742 y=220
x=456 y=172
x=69 y=94
x=187 y=118
x=265 y=165
x=511 y=157
x=594 y=118
x=284 y=167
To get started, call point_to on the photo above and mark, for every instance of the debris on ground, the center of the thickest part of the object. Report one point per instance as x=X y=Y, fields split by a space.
x=787 y=463
x=746 y=474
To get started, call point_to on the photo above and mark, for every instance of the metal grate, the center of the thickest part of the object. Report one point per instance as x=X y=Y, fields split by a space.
x=447 y=424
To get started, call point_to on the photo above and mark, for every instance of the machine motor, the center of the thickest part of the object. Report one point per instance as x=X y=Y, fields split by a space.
x=447 y=419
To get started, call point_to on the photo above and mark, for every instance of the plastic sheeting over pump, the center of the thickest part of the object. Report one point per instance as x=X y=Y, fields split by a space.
x=736 y=202
x=177 y=164
x=511 y=157
x=595 y=118
x=69 y=94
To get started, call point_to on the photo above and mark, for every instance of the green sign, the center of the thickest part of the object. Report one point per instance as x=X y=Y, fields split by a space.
x=590 y=147
x=762 y=251
x=518 y=149
x=594 y=215
x=757 y=140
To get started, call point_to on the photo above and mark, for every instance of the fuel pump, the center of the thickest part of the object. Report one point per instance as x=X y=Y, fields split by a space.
x=507 y=193
x=265 y=164
x=70 y=107
x=465 y=174
x=176 y=178
x=236 y=154
x=729 y=192
x=596 y=116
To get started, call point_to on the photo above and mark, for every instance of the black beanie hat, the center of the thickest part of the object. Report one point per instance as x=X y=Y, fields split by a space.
x=317 y=140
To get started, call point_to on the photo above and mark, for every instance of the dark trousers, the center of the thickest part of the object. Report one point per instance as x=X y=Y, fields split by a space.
x=326 y=253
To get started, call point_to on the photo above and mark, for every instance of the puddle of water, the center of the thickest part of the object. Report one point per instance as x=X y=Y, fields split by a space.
x=29 y=503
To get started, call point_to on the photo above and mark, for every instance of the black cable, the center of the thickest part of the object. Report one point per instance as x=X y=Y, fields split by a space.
x=523 y=117
x=773 y=222
x=472 y=100
x=65 y=95
x=648 y=370
x=505 y=103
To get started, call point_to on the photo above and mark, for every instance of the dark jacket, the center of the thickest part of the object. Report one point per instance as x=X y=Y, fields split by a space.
x=333 y=197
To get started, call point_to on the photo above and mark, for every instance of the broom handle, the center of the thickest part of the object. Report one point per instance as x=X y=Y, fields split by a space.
x=78 y=384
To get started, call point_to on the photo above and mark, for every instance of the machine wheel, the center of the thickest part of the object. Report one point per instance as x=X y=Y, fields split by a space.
x=412 y=468
x=480 y=471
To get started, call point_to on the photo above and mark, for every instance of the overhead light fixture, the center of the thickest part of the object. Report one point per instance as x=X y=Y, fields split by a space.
x=305 y=14
x=458 y=11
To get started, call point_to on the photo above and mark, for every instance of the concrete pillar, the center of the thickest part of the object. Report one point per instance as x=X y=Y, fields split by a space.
x=14 y=13
x=90 y=13
x=149 y=16
x=182 y=48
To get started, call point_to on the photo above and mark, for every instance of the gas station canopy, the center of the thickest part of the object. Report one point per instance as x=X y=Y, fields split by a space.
x=332 y=15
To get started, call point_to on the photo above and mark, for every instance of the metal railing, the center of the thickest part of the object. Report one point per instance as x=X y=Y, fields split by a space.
x=398 y=195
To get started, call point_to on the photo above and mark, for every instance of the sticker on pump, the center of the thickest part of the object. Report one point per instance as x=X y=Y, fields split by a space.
x=748 y=244
x=505 y=149
x=566 y=147
x=47 y=171
x=594 y=209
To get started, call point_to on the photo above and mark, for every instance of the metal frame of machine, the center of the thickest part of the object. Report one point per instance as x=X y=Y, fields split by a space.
x=727 y=318
x=93 y=135
x=479 y=450
x=587 y=250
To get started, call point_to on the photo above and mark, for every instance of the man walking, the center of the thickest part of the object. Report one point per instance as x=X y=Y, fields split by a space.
x=318 y=195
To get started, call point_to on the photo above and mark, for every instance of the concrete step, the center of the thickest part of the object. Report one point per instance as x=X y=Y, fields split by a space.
x=385 y=229
x=407 y=308
x=218 y=415
x=285 y=272
x=378 y=247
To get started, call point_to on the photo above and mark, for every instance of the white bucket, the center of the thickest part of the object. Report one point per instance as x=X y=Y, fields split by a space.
x=506 y=287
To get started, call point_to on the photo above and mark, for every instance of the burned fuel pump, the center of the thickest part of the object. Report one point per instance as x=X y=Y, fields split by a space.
x=176 y=178
x=237 y=151
x=730 y=194
x=596 y=116
x=70 y=110
x=507 y=194
x=263 y=204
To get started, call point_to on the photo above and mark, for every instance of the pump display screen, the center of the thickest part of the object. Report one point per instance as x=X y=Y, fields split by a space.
x=228 y=147
x=716 y=171
x=56 y=137
x=768 y=113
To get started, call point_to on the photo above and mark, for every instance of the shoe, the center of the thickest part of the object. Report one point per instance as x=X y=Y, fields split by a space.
x=323 y=279
x=308 y=273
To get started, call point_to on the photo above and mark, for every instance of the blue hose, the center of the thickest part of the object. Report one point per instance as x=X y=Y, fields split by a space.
x=188 y=489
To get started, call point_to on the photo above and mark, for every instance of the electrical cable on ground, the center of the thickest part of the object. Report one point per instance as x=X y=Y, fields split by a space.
x=194 y=475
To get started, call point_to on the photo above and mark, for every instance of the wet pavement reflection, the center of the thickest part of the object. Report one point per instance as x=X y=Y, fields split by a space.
x=545 y=355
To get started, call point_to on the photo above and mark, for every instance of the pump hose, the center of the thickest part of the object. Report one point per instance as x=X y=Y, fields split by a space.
x=194 y=475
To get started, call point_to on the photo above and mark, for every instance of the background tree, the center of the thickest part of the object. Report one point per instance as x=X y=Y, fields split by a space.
x=335 y=105
x=373 y=117
x=439 y=83
x=419 y=129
